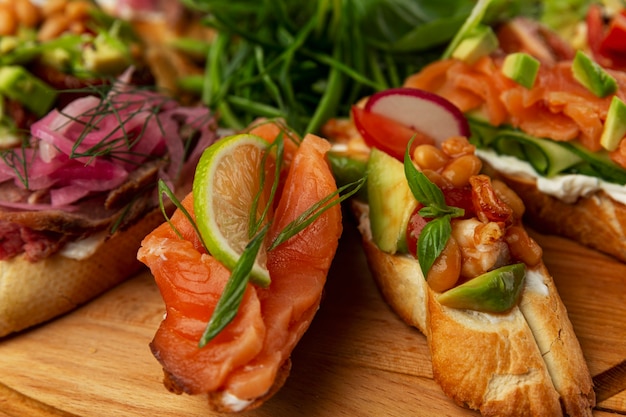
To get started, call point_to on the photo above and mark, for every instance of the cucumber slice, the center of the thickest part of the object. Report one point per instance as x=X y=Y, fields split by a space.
x=597 y=162
x=547 y=157
x=347 y=170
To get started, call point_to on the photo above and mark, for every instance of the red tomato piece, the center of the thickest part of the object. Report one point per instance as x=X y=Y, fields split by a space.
x=607 y=42
x=461 y=198
x=615 y=38
x=414 y=228
x=386 y=134
x=455 y=197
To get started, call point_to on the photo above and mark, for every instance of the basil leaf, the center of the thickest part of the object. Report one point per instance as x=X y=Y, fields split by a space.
x=422 y=188
x=435 y=234
x=432 y=241
x=230 y=300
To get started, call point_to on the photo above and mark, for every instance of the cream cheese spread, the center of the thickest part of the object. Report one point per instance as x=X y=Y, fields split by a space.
x=84 y=248
x=535 y=282
x=233 y=403
x=567 y=188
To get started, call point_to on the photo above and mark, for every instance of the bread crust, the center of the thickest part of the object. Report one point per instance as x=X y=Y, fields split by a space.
x=559 y=346
x=398 y=278
x=596 y=221
x=530 y=359
x=35 y=292
x=512 y=378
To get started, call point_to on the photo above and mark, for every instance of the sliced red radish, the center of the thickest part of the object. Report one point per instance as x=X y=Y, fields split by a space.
x=421 y=110
x=386 y=134
x=414 y=110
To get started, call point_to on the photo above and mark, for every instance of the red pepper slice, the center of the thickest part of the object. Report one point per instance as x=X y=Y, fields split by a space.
x=615 y=38
x=607 y=42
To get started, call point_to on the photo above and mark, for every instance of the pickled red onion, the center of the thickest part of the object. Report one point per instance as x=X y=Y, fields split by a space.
x=93 y=144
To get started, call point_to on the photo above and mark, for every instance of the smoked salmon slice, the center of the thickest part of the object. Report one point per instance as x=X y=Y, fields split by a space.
x=557 y=107
x=248 y=360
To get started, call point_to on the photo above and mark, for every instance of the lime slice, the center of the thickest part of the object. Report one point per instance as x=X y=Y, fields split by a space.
x=227 y=181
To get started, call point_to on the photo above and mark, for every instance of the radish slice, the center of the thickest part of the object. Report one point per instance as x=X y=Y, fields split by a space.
x=420 y=110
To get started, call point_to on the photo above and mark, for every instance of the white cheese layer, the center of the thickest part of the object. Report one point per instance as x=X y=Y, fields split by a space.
x=84 y=248
x=233 y=403
x=567 y=188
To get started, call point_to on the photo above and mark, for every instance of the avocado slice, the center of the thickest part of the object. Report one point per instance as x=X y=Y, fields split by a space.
x=390 y=200
x=521 y=68
x=614 y=125
x=495 y=291
x=592 y=76
x=20 y=85
x=479 y=42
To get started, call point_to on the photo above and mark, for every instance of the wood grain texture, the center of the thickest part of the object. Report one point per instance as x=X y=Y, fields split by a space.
x=357 y=359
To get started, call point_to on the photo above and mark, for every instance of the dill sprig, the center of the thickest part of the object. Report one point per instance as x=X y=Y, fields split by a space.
x=119 y=100
x=18 y=161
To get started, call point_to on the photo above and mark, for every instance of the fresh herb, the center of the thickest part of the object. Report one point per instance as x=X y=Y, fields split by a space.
x=435 y=234
x=313 y=212
x=255 y=223
x=307 y=61
x=228 y=305
x=163 y=188
x=230 y=300
x=474 y=19
x=18 y=160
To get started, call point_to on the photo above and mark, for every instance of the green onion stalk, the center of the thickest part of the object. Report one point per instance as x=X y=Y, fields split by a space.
x=309 y=61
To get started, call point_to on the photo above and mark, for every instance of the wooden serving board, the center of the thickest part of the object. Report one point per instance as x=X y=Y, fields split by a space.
x=357 y=359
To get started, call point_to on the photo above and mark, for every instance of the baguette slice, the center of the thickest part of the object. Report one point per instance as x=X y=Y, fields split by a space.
x=34 y=292
x=596 y=221
x=525 y=362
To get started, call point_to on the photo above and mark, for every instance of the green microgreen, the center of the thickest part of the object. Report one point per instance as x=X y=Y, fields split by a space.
x=307 y=61
x=473 y=20
x=435 y=234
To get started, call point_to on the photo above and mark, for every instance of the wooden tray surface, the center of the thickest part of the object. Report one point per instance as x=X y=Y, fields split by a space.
x=357 y=359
